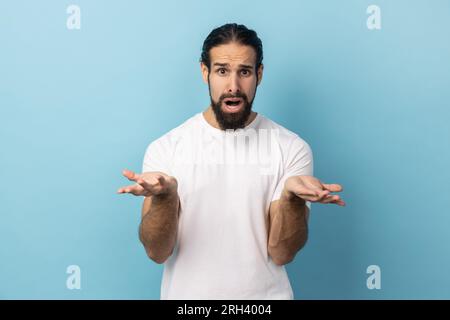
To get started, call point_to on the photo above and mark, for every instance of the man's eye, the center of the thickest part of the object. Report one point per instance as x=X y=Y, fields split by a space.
x=221 y=71
x=245 y=72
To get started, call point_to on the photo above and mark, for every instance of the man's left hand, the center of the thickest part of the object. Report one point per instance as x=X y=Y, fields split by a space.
x=312 y=189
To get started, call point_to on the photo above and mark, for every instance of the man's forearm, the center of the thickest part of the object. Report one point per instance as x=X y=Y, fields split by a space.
x=289 y=228
x=158 y=228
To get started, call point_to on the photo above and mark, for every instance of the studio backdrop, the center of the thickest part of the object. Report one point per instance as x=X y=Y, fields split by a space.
x=85 y=86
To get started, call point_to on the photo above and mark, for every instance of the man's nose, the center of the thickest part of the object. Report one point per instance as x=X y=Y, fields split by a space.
x=234 y=85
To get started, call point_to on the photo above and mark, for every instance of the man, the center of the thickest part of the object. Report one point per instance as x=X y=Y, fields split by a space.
x=224 y=225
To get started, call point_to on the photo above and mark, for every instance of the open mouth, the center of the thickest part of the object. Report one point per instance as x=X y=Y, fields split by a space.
x=233 y=104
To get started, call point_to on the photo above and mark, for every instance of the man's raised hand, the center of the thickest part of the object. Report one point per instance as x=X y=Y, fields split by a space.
x=149 y=183
x=312 y=189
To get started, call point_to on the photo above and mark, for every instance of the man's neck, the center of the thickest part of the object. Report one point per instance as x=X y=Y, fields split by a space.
x=210 y=117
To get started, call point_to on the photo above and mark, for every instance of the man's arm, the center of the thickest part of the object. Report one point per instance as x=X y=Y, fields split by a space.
x=288 y=216
x=288 y=228
x=159 y=225
x=159 y=222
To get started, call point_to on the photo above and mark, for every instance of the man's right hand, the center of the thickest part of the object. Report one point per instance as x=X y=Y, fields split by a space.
x=149 y=184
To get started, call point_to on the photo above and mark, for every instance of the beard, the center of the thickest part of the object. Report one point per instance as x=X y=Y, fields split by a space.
x=235 y=120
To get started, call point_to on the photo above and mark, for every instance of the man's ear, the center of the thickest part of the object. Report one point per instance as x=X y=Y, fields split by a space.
x=260 y=73
x=205 y=71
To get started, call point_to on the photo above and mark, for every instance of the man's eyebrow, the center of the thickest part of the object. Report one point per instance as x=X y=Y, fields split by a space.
x=221 y=64
x=245 y=66
x=242 y=66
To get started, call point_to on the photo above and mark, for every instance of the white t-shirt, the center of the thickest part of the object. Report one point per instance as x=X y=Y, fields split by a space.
x=226 y=182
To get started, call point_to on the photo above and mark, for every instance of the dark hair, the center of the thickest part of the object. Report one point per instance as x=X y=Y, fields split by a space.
x=228 y=33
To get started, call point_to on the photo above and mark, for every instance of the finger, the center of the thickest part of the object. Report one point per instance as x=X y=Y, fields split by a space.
x=130 y=175
x=316 y=196
x=148 y=185
x=134 y=189
x=123 y=189
x=330 y=199
x=305 y=191
x=333 y=187
x=322 y=195
x=161 y=179
x=138 y=190
x=339 y=202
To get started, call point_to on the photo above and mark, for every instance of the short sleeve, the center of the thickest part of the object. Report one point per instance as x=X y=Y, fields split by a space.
x=157 y=157
x=298 y=161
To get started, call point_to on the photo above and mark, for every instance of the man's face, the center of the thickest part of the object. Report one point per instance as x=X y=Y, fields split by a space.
x=232 y=81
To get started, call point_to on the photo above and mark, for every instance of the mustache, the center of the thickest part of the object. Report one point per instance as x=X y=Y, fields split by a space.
x=229 y=95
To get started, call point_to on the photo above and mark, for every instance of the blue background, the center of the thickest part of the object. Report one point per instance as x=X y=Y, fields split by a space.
x=78 y=106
